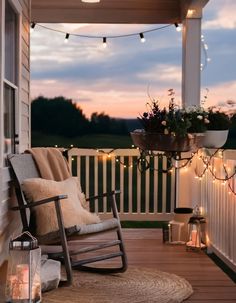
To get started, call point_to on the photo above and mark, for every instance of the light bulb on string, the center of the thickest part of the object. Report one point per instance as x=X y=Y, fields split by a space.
x=104 y=42
x=32 y=26
x=178 y=28
x=142 y=39
x=66 y=38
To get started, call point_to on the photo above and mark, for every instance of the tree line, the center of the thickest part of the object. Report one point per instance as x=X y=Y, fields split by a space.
x=61 y=116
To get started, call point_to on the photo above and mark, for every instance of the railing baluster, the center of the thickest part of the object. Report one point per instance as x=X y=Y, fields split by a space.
x=122 y=185
x=164 y=177
x=87 y=175
x=96 y=180
x=78 y=166
x=130 y=183
x=155 y=180
x=147 y=188
x=138 y=191
x=104 y=173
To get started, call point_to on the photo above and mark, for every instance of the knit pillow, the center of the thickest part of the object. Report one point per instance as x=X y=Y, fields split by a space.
x=73 y=212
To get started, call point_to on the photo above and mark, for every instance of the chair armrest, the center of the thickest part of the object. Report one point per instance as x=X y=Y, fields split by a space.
x=113 y=201
x=44 y=201
x=111 y=193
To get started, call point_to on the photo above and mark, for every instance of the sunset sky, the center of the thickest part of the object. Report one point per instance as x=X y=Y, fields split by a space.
x=116 y=79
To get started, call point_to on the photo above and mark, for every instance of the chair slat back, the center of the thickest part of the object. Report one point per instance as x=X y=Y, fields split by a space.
x=23 y=167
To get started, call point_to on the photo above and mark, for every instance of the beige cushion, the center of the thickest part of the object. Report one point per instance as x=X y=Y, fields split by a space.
x=73 y=212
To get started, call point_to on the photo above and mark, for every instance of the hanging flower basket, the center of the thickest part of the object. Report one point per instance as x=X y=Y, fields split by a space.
x=169 y=143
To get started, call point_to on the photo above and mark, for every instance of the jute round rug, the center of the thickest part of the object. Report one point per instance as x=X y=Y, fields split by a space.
x=134 y=286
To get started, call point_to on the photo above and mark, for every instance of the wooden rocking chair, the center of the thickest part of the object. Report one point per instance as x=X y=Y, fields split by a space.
x=24 y=167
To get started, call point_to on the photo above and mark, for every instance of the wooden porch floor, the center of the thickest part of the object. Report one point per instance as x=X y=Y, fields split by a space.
x=210 y=283
x=145 y=249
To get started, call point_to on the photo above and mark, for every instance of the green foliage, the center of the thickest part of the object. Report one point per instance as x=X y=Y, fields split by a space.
x=198 y=119
x=167 y=121
x=60 y=116
x=218 y=120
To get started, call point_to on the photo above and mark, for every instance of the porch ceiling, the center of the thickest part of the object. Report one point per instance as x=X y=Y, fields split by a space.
x=112 y=11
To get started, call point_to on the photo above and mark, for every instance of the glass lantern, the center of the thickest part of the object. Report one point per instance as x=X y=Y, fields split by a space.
x=196 y=225
x=23 y=283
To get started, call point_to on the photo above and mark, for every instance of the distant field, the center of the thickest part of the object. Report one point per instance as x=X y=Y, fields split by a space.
x=88 y=141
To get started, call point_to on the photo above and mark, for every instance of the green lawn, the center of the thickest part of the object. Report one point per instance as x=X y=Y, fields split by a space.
x=88 y=141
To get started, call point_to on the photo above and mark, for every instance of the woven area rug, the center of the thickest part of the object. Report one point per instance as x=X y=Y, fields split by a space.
x=135 y=285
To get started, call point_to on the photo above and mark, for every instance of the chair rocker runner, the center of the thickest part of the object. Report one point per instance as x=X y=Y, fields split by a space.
x=23 y=167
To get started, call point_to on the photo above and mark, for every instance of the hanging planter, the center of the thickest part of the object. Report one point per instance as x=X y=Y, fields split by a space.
x=215 y=138
x=170 y=129
x=217 y=129
x=169 y=143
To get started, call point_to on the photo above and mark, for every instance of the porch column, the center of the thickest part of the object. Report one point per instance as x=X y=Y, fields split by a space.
x=191 y=60
x=188 y=193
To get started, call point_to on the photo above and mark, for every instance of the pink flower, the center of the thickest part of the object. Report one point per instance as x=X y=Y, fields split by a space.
x=206 y=121
x=163 y=123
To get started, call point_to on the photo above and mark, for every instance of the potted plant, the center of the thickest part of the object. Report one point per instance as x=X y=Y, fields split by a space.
x=217 y=128
x=168 y=129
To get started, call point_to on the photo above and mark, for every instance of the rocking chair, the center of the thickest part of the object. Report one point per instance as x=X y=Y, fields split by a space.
x=24 y=167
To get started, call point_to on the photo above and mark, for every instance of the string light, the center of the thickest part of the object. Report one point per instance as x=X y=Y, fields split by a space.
x=209 y=167
x=142 y=39
x=143 y=164
x=178 y=28
x=104 y=42
x=107 y=37
x=67 y=37
x=206 y=58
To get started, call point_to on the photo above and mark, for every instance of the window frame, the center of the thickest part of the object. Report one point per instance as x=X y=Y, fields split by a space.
x=16 y=6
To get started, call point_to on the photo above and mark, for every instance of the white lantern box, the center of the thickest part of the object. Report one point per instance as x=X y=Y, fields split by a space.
x=23 y=283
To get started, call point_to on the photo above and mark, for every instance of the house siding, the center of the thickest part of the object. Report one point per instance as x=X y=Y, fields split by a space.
x=10 y=221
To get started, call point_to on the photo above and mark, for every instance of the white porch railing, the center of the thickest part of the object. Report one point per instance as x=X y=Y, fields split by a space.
x=147 y=195
x=219 y=204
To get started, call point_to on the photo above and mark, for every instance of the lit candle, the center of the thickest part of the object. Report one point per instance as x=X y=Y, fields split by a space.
x=194 y=237
x=12 y=281
x=24 y=291
x=22 y=271
x=169 y=229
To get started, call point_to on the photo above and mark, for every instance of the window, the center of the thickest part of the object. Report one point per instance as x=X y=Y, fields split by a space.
x=9 y=119
x=10 y=78
x=10 y=43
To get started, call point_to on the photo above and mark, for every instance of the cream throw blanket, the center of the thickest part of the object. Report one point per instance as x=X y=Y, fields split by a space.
x=56 y=180
x=51 y=163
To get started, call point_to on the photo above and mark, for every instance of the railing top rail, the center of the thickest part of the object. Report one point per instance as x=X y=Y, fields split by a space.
x=103 y=151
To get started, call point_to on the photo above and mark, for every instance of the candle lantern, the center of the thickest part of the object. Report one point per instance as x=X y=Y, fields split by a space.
x=196 y=226
x=23 y=283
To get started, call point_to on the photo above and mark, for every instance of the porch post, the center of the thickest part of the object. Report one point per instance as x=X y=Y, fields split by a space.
x=191 y=60
x=188 y=193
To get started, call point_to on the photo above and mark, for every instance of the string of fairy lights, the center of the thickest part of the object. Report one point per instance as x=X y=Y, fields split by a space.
x=141 y=35
x=176 y=163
